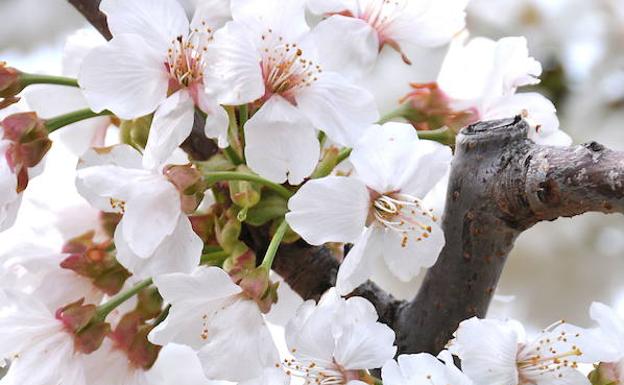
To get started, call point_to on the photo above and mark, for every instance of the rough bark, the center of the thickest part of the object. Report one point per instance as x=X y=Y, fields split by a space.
x=500 y=185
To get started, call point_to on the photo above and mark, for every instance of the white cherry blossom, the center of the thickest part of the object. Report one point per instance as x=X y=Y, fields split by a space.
x=154 y=236
x=210 y=314
x=423 y=368
x=156 y=61
x=612 y=326
x=383 y=210
x=483 y=75
x=10 y=199
x=332 y=341
x=39 y=347
x=495 y=352
x=267 y=56
x=356 y=31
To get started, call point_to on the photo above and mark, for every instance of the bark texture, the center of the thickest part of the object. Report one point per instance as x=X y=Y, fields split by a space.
x=500 y=185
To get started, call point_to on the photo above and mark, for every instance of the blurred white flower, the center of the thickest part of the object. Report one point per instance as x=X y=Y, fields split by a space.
x=10 y=199
x=382 y=210
x=334 y=340
x=423 y=368
x=154 y=236
x=267 y=57
x=210 y=314
x=496 y=352
x=156 y=62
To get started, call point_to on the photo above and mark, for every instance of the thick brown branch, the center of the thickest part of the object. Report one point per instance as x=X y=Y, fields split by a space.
x=90 y=9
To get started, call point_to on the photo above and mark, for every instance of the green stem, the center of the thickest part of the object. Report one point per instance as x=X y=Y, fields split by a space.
x=213 y=177
x=443 y=135
x=215 y=258
x=343 y=154
x=57 y=122
x=267 y=262
x=243 y=115
x=30 y=79
x=235 y=148
x=105 y=309
x=398 y=113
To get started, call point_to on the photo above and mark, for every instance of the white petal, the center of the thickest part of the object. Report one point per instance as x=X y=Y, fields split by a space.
x=407 y=253
x=205 y=283
x=125 y=76
x=421 y=368
x=236 y=65
x=337 y=107
x=172 y=124
x=158 y=22
x=77 y=46
x=365 y=345
x=563 y=376
x=150 y=215
x=211 y=13
x=357 y=265
x=286 y=19
x=239 y=330
x=280 y=143
x=178 y=252
x=217 y=120
x=610 y=323
x=346 y=45
x=331 y=209
x=270 y=376
x=488 y=351
x=321 y=7
x=310 y=333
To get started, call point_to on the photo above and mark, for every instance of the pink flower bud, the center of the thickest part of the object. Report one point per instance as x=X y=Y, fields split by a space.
x=10 y=84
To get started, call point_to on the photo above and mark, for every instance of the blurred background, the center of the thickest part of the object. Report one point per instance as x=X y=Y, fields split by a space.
x=556 y=269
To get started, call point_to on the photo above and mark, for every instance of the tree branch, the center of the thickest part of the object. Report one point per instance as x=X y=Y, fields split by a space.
x=90 y=9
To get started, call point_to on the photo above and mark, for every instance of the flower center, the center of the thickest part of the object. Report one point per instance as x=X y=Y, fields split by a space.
x=314 y=373
x=285 y=68
x=185 y=57
x=405 y=214
x=380 y=14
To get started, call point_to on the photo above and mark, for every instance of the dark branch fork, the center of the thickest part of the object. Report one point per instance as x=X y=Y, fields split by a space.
x=501 y=184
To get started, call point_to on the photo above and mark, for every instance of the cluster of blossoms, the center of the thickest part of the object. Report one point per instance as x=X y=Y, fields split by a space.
x=162 y=281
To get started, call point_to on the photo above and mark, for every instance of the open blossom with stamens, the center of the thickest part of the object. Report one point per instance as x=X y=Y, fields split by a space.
x=495 y=352
x=358 y=30
x=156 y=61
x=423 y=368
x=267 y=57
x=211 y=314
x=155 y=235
x=40 y=349
x=482 y=76
x=383 y=210
x=334 y=340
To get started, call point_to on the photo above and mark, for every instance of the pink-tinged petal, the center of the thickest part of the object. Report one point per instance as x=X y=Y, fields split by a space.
x=125 y=76
x=172 y=124
x=179 y=252
x=211 y=14
x=217 y=120
x=331 y=209
x=407 y=253
x=322 y=7
x=357 y=265
x=487 y=349
x=345 y=45
x=281 y=145
x=235 y=65
x=158 y=22
x=338 y=107
x=151 y=214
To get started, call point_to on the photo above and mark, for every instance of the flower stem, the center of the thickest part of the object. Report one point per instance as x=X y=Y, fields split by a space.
x=214 y=258
x=30 y=79
x=213 y=177
x=442 y=135
x=267 y=262
x=398 y=113
x=105 y=309
x=57 y=122
x=233 y=152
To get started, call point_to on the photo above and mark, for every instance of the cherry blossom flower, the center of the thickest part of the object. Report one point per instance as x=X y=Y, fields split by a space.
x=156 y=62
x=613 y=327
x=495 y=352
x=483 y=76
x=423 y=368
x=334 y=340
x=358 y=30
x=267 y=57
x=155 y=235
x=210 y=314
x=383 y=210
x=41 y=350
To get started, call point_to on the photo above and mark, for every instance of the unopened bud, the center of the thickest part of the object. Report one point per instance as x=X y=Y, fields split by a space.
x=10 y=84
x=135 y=132
x=244 y=194
x=241 y=261
x=189 y=182
x=228 y=233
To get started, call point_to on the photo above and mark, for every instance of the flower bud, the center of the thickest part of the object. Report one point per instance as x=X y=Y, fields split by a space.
x=95 y=262
x=135 y=132
x=427 y=107
x=189 y=182
x=79 y=320
x=229 y=232
x=10 y=84
x=244 y=194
